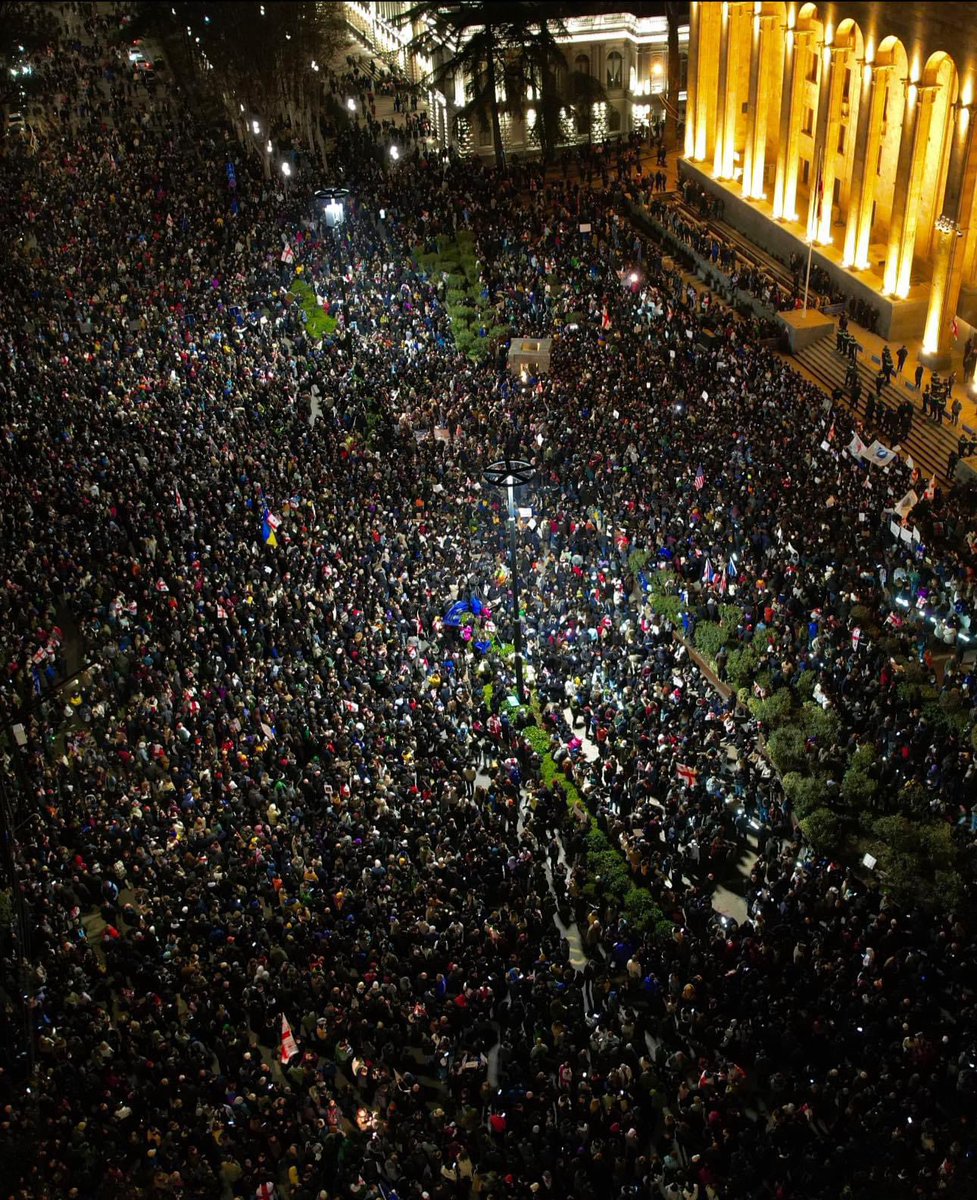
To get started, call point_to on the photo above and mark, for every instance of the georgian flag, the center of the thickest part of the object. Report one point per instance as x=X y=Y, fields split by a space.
x=287 y=254
x=688 y=775
x=856 y=637
x=289 y=1048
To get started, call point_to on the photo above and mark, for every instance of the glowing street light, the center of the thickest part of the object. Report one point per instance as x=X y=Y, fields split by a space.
x=256 y=128
x=330 y=207
x=508 y=475
x=395 y=152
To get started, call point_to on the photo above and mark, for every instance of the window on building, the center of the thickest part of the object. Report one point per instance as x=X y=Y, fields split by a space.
x=807 y=126
x=613 y=121
x=813 y=62
x=836 y=194
x=582 y=64
x=615 y=69
x=805 y=171
x=885 y=106
x=842 y=138
x=878 y=162
x=846 y=90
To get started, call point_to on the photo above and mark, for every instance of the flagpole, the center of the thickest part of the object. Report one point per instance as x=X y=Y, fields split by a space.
x=812 y=234
x=807 y=280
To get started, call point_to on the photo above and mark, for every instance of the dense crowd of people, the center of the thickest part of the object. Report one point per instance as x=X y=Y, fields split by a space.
x=262 y=775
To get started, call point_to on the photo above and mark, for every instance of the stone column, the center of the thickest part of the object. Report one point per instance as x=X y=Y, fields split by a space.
x=758 y=107
x=952 y=229
x=706 y=78
x=909 y=170
x=831 y=92
x=692 y=83
x=723 y=106
x=868 y=136
x=785 y=187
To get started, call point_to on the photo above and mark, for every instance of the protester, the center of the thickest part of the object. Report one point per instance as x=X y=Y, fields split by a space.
x=263 y=777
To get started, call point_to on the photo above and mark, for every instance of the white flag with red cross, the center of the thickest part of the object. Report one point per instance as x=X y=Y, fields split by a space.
x=289 y=1048
x=688 y=775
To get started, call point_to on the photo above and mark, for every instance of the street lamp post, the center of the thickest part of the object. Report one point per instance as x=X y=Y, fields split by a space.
x=511 y=473
x=330 y=206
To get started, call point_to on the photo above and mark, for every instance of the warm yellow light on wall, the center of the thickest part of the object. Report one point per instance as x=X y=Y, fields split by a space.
x=829 y=34
x=869 y=51
x=967 y=92
x=791 y=18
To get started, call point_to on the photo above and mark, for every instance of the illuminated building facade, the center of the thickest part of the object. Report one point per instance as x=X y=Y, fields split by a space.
x=852 y=126
x=625 y=54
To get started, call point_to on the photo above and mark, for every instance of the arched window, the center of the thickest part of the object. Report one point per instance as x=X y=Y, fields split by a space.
x=582 y=64
x=615 y=69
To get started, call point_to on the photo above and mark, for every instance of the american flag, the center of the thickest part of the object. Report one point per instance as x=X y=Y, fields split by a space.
x=700 y=479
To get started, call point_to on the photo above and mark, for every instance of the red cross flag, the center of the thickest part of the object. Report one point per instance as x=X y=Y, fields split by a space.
x=289 y=1048
x=688 y=775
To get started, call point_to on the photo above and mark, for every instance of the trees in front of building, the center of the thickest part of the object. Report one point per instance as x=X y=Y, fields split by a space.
x=509 y=55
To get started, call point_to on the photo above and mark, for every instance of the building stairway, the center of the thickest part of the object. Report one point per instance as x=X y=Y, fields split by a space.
x=929 y=443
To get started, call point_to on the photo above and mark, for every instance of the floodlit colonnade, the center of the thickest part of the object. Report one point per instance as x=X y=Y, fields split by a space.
x=841 y=120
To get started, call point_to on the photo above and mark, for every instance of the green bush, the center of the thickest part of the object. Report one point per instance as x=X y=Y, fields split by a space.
x=786 y=750
x=857 y=788
x=805 y=683
x=817 y=722
x=730 y=615
x=805 y=792
x=742 y=665
x=669 y=607
x=641 y=912
x=638 y=560
x=863 y=757
x=538 y=738
x=318 y=324
x=776 y=710
x=918 y=861
x=824 y=830
x=710 y=638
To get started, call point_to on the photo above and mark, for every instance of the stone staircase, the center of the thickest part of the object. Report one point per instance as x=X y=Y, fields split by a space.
x=929 y=443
